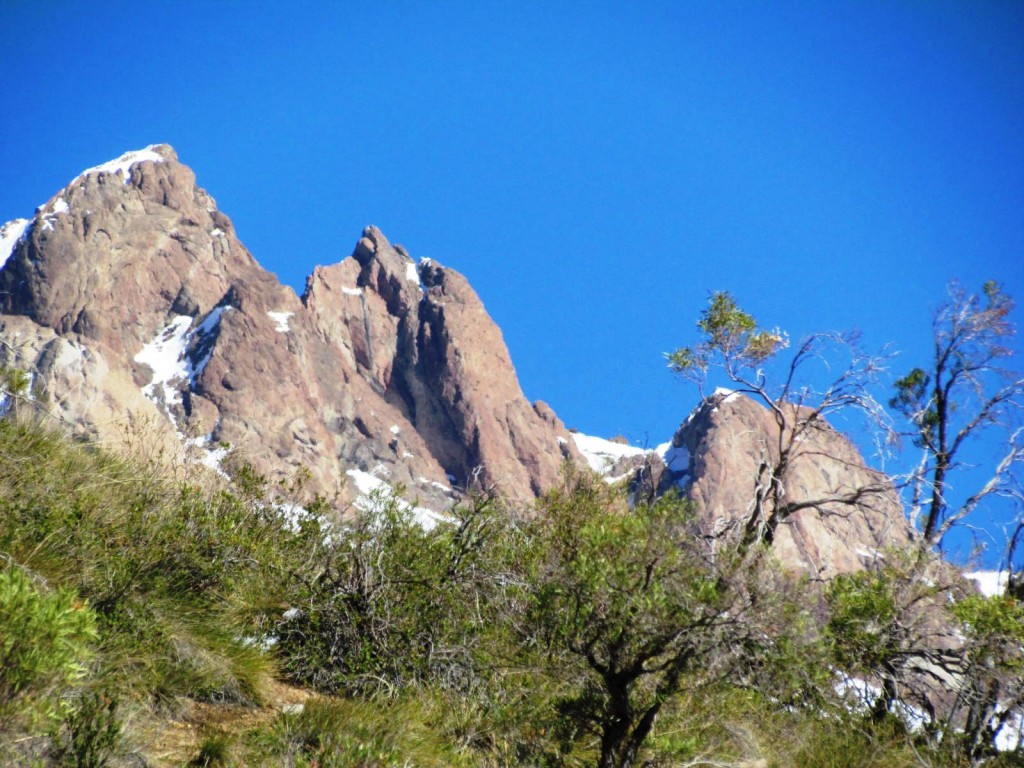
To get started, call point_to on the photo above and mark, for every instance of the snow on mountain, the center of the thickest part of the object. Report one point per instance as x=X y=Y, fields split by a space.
x=372 y=488
x=10 y=234
x=411 y=273
x=123 y=164
x=281 y=320
x=676 y=458
x=168 y=356
x=602 y=454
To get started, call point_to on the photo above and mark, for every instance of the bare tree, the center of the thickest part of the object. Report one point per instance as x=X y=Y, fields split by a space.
x=967 y=391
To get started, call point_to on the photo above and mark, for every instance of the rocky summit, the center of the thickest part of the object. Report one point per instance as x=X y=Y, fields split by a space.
x=132 y=301
x=134 y=305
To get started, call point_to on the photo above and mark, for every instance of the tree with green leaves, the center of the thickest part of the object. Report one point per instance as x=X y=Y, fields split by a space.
x=887 y=627
x=625 y=604
x=992 y=658
x=929 y=651
x=632 y=607
x=966 y=391
x=735 y=344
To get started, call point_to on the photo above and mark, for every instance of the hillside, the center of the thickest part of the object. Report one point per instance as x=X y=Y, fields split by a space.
x=247 y=527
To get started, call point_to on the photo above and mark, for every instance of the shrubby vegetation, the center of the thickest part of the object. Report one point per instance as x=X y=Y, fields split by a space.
x=45 y=640
x=587 y=630
x=583 y=632
x=124 y=590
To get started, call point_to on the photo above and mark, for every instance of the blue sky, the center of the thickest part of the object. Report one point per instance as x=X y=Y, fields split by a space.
x=595 y=169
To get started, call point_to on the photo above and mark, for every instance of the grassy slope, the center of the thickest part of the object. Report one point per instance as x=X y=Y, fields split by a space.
x=185 y=579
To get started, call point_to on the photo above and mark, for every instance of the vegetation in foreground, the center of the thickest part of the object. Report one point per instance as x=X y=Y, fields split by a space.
x=590 y=630
x=584 y=633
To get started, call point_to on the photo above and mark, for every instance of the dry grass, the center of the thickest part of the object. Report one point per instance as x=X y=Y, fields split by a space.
x=169 y=742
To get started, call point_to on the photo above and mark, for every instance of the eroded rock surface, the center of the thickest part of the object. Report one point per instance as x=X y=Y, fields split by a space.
x=131 y=299
x=848 y=514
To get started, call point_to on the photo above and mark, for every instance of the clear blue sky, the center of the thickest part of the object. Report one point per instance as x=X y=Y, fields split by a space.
x=594 y=168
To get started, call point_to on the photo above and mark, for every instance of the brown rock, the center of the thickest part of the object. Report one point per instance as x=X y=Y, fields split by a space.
x=130 y=293
x=852 y=513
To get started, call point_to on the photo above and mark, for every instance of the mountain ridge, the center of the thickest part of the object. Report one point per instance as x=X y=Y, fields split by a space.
x=133 y=260
x=129 y=295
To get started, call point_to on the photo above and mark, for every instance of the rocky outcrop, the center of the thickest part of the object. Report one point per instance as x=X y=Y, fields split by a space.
x=130 y=296
x=421 y=337
x=846 y=515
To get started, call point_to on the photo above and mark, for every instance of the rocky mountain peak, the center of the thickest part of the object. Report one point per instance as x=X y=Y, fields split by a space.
x=111 y=253
x=371 y=376
x=131 y=299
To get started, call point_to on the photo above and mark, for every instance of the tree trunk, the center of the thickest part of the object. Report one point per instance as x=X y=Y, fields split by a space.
x=615 y=733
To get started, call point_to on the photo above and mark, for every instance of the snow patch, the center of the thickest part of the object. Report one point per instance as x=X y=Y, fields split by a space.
x=352 y=291
x=123 y=164
x=990 y=583
x=725 y=394
x=294 y=515
x=47 y=214
x=168 y=356
x=11 y=234
x=440 y=486
x=411 y=273
x=281 y=318
x=602 y=454
x=395 y=429
x=676 y=458
x=200 y=336
x=165 y=355
x=369 y=486
x=207 y=453
x=865 y=694
x=1011 y=734
x=869 y=554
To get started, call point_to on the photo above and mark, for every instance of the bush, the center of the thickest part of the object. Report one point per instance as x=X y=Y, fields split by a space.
x=91 y=732
x=397 y=605
x=177 y=575
x=45 y=639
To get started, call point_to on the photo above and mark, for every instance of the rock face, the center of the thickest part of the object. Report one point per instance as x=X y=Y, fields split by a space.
x=129 y=296
x=845 y=515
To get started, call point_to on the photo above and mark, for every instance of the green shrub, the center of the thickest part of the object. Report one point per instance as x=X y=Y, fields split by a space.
x=395 y=604
x=214 y=751
x=45 y=638
x=183 y=580
x=91 y=733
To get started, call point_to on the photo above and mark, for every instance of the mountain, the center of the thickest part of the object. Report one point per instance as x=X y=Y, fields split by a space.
x=845 y=515
x=134 y=305
x=131 y=299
